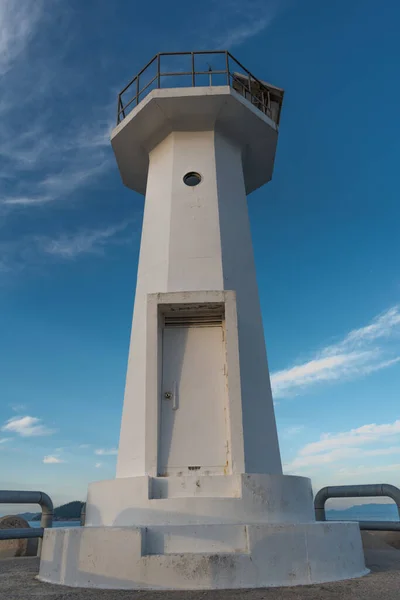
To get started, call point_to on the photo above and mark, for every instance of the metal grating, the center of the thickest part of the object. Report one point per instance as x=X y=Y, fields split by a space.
x=206 y=320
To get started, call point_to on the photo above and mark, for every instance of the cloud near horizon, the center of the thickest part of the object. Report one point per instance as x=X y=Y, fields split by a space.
x=106 y=451
x=52 y=460
x=361 y=352
x=347 y=445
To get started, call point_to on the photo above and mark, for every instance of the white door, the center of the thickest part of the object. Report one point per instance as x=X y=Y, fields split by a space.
x=193 y=431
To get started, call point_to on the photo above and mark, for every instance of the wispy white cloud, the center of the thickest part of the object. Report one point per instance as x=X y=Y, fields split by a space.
x=18 y=407
x=4 y=440
x=45 y=156
x=106 y=451
x=292 y=430
x=380 y=327
x=232 y=22
x=84 y=446
x=367 y=470
x=18 y=23
x=361 y=352
x=33 y=251
x=27 y=426
x=53 y=143
x=338 y=455
x=52 y=460
x=76 y=169
x=382 y=451
x=366 y=434
x=241 y=33
x=98 y=465
x=70 y=246
x=347 y=445
x=305 y=462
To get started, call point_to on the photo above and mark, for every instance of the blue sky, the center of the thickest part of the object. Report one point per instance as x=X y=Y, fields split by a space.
x=325 y=229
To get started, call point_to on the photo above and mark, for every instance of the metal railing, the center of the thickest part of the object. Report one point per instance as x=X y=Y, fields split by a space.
x=360 y=491
x=83 y=514
x=230 y=71
x=22 y=497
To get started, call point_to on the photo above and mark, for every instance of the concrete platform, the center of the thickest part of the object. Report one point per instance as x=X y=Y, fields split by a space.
x=18 y=582
x=202 y=557
x=199 y=533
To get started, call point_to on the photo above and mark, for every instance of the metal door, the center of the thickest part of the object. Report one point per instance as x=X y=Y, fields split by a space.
x=193 y=432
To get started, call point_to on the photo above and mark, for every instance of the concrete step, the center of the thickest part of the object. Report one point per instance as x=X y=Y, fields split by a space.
x=196 y=539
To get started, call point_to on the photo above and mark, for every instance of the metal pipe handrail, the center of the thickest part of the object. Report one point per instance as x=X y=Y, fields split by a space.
x=355 y=491
x=25 y=497
x=192 y=52
x=141 y=91
x=178 y=73
x=138 y=74
x=21 y=533
x=254 y=98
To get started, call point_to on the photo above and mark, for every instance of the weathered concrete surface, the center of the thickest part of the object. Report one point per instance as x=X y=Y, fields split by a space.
x=202 y=557
x=17 y=582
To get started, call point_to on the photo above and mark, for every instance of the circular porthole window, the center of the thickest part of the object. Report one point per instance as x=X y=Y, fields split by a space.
x=191 y=179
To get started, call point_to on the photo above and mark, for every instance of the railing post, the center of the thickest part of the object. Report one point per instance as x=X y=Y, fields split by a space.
x=228 y=78
x=193 y=75
x=47 y=516
x=158 y=70
x=83 y=514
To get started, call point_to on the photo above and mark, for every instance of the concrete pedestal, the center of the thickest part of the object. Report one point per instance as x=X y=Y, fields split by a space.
x=201 y=533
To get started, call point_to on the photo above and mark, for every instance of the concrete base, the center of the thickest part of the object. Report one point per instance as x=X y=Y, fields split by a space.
x=194 y=500
x=204 y=532
x=202 y=557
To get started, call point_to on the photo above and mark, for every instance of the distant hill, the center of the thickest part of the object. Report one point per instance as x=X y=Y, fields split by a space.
x=28 y=516
x=365 y=512
x=66 y=512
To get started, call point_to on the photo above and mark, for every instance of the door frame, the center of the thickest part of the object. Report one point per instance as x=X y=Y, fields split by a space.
x=217 y=304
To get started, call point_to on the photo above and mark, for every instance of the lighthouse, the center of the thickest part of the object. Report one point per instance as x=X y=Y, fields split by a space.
x=199 y=500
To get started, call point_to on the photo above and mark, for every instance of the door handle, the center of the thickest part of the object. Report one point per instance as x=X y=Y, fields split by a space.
x=172 y=396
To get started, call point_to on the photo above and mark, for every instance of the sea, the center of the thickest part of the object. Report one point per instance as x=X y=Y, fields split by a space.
x=364 y=512
x=57 y=523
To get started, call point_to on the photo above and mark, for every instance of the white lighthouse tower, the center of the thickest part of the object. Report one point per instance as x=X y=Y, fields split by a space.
x=199 y=500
